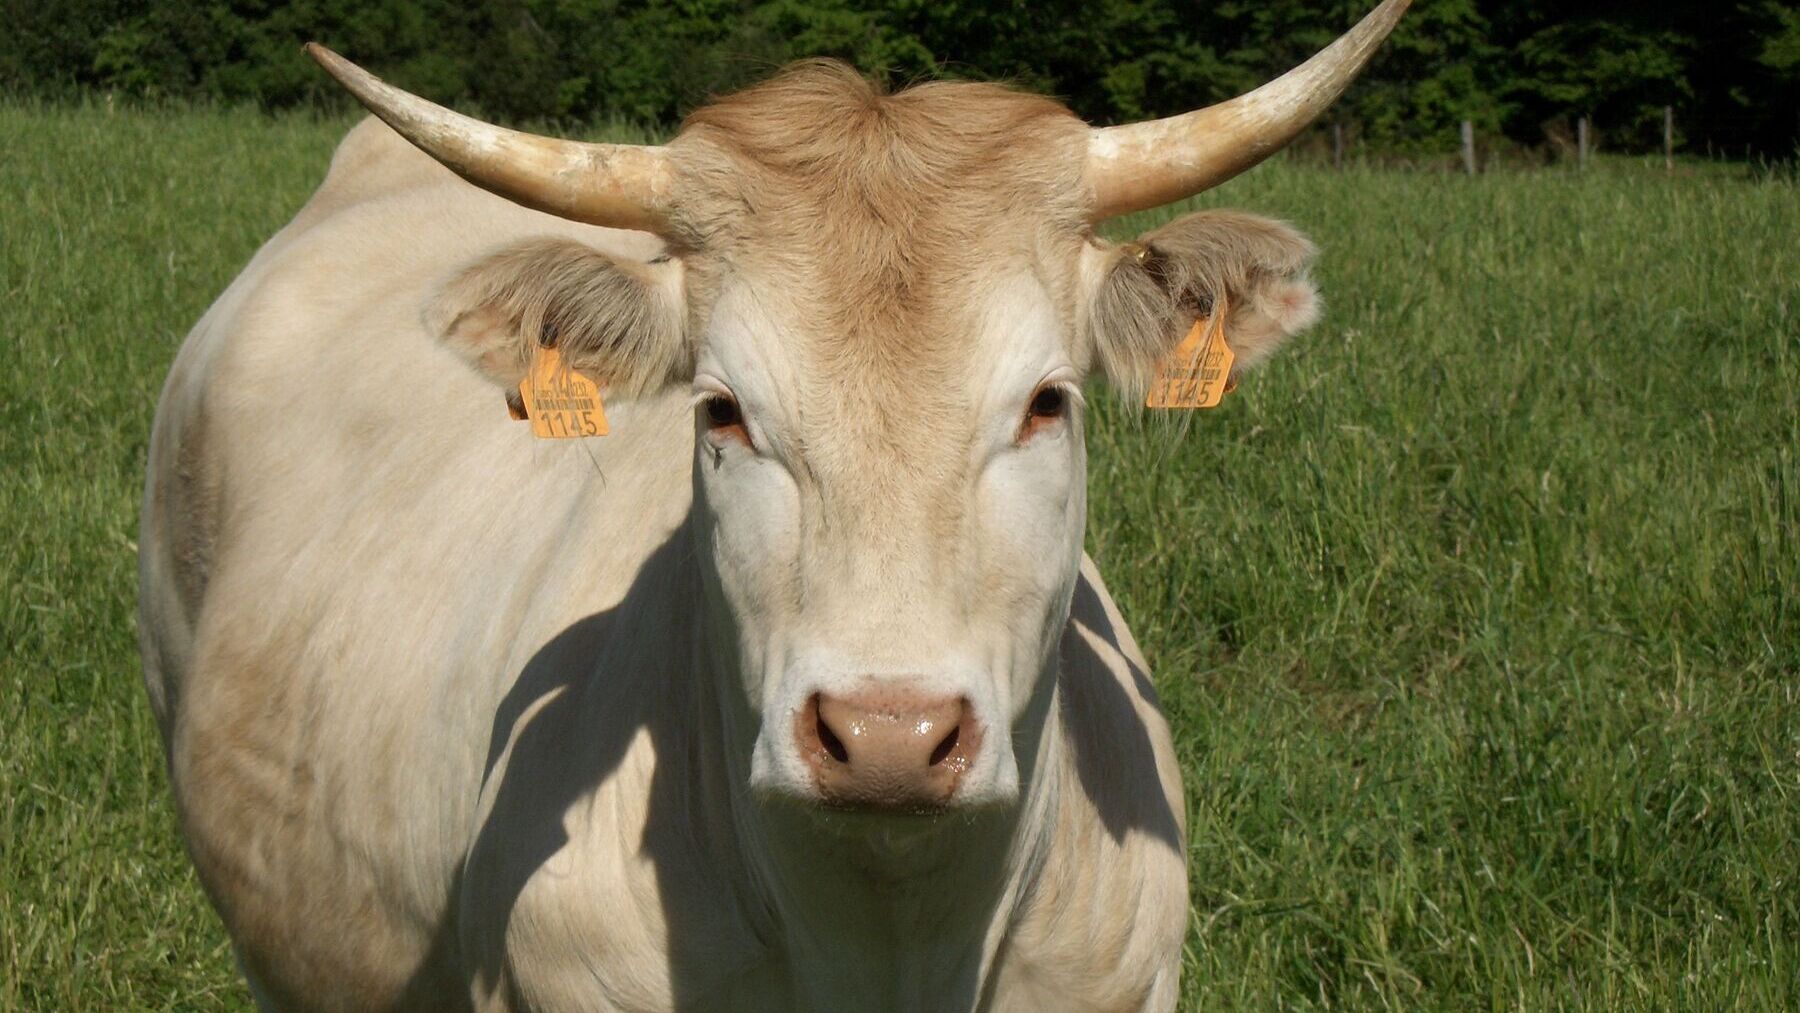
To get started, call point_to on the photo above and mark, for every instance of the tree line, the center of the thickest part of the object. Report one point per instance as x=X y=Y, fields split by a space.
x=1519 y=69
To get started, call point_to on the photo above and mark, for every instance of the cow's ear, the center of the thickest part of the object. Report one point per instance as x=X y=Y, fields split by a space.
x=621 y=321
x=1151 y=291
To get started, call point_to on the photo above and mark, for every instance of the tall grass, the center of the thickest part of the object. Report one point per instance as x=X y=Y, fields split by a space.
x=1477 y=616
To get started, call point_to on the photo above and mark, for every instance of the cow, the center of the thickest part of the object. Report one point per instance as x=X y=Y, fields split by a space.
x=796 y=690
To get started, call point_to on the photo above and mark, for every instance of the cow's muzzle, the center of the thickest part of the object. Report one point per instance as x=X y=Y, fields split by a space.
x=887 y=750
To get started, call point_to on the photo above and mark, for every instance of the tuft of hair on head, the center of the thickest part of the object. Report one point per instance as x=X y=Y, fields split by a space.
x=826 y=149
x=621 y=321
x=820 y=117
x=1157 y=287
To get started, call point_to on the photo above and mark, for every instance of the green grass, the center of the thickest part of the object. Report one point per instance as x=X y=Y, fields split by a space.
x=1477 y=616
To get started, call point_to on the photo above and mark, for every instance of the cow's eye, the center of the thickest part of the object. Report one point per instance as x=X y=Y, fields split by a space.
x=724 y=419
x=1048 y=406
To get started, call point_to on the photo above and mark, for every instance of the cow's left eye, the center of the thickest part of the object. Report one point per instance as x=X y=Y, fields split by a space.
x=724 y=419
x=1049 y=405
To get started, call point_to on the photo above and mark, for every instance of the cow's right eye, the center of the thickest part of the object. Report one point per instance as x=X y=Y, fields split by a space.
x=1049 y=405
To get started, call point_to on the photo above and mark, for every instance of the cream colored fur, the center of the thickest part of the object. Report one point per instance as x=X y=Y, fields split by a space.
x=456 y=718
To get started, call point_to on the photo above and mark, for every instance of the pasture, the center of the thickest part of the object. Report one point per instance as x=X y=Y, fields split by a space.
x=1477 y=615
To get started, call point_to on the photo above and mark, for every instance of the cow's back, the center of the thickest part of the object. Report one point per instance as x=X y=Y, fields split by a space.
x=348 y=552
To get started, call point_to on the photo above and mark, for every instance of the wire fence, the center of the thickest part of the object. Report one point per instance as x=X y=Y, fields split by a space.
x=1574 y=141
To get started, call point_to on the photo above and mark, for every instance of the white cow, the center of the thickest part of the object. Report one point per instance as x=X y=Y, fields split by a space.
x=796 y=692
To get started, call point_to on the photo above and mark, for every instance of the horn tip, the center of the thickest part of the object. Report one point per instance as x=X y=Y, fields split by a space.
x=318 y=53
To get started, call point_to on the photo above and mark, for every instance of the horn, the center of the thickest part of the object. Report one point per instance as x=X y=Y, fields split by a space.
x=1145 y=165
x=624 y=186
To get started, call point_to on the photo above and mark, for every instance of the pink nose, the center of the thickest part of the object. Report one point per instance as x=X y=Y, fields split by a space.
x=887 y=749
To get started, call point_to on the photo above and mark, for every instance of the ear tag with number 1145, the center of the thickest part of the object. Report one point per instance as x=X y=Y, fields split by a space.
x=560 y=402
x=1197 y=372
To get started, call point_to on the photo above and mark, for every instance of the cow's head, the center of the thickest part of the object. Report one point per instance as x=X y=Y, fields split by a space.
x=885 y=306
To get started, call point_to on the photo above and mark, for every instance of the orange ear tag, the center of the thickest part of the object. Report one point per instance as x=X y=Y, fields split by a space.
x=562 y=403
x=1197 y=373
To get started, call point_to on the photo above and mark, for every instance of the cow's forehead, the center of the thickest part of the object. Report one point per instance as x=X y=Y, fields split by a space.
x=821 y=134
x=880 y=231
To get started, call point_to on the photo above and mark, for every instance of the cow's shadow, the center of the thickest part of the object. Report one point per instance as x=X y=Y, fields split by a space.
x=610 y=679
x=1114 y=758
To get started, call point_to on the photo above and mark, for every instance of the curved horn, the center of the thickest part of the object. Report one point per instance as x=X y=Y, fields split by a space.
x=1156 y=162
x=625 y=186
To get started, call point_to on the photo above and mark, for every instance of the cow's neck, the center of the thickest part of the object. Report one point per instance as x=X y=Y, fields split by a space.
x=899 y=908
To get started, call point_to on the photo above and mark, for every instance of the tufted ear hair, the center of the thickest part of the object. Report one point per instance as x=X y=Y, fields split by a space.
x=1154 y=290
x=622 y=322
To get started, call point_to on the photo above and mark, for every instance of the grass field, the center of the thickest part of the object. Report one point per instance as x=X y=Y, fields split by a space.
x=1477 y=617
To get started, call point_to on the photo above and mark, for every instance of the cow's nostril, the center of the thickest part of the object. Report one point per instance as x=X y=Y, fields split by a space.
x=942 y=751
x=833 y=745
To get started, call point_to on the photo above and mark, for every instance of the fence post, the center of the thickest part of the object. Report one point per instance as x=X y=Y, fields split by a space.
x=1468 y=147
x=1581 y=143
x=1337 y=145
x=1669 y=139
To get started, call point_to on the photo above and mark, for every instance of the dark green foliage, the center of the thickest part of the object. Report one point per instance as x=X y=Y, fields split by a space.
x=1521 y=69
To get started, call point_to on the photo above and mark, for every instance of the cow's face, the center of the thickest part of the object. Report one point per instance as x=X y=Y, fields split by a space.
x=885 y=326
x=893 y=509
x=888 y=456
x=891 y=561
x=885 y=330
x=885 y=307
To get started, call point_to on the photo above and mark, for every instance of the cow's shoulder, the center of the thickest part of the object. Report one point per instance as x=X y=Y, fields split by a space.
x=604 y=861
x=1110 y=904
x=1119 y=742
